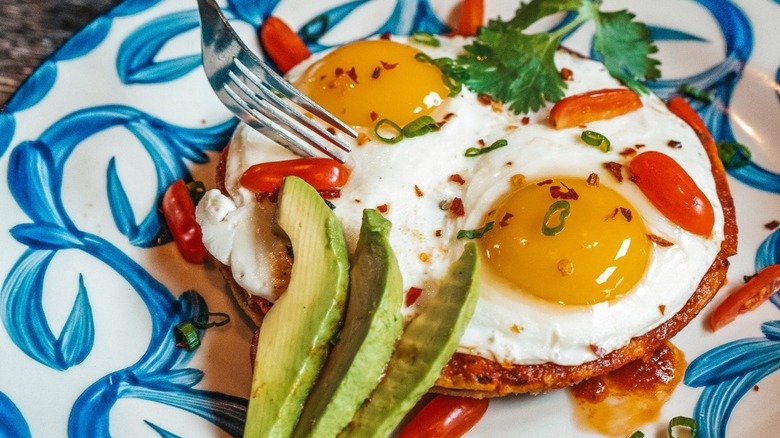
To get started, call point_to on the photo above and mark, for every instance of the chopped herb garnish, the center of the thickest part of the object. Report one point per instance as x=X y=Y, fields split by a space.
x=696 y=93
x=733 y=154
x=690 y=423
x=473 y=152
x=593 y=138
x=426 y=39
x=452 y=74
x=637 y=434
x=186 y=333
x=562 y=207
x=475 y=234
x=420 y=126
x=389 y=124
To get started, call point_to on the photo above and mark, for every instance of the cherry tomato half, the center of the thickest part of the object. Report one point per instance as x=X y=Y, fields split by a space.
x=446 y=417
x=747 y=297
x=472 y=14
x=179 y=212
x=281 y=44
x=673 y=192
x=320 y=173
x=592 y=106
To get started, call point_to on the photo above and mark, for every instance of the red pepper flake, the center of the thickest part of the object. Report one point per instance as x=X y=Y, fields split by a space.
x=628 y=152
x=456 y=178
x=593 y=180
x=384 y=36
x=772 y=225
x=612 y=215
x=616 y=169
x=662 y=309
x=525 y=120
x=353 y=75
x=456 y=208
x=626 y=213
x=484 y=99
x=660 y=241
x=339 y=72
x=330 y=194
x=382 y=208
x=388 y=66
x=505 y=220
x=437 y=233
x=446 y=119
x=755 y=388
x=639 y=146
x=516 y=328
x=567 y=74
x=418 y=191
x=375 y=74
x=373 y=116
x=674 y=144
x=412 y=295
x=481 y=142
x=544 y=183
x=557 y=193
x=598 y=351
x=362 y=138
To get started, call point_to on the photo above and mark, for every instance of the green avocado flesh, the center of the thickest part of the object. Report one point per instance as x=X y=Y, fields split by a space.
x=294 y=338
x=427 y=344
x=372 y=326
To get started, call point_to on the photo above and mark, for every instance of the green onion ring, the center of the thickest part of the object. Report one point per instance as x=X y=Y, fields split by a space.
x=475 y=234
x=690 y=423
x=186 y=336
x=426 y=39
x=637 y=434
x=565 y=208
x=392 y=125
x=420 y=126
x=219 y=323
x=593 y=138
x=473 y=152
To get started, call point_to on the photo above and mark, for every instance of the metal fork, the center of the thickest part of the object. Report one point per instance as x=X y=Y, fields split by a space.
x=255 y=93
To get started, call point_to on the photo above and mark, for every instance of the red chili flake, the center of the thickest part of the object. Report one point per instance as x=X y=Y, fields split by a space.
x=593 y=180
x=456 y=208
x=639 y=146
x=484 y=99
x=557 y=193
x=508 y=164
x=755 y=388
x=339 y=72
x=628 y=152
x=384 y=36
x=612 y=215
x=626 y=213
x=662 y=309
x=660 y=241
x=616 y=169
x=437 y=233
x=505 y=220
x=457 y=179
x=446 y=119
x=373 y=116
x=388 y=66
x=353 y=75
x=481 y=142
x=525 y=120
x=375 y=74
x=330 y=194
x=567 y=74
x=412 y=295
x=418 y=192
x=516 y=328
x=674 y=144
x=362 y=139
x=598 y=351
x=544 y=183
x=772 y=225
x=382 y=208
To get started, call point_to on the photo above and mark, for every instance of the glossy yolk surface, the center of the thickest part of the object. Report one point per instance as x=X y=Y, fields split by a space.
x=599 y=253
x=367 y=81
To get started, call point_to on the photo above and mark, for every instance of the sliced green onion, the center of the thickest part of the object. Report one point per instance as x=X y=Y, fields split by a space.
x=696 y=93
x=593 y=138
x=690 y=423
x=558 y=206
x=390 y=125
x=473 y=152
x=186 y=336
x=475 y=234
x=733 y=154
x=637 y=434
x=420 y=126
x=452 y=75
x=315 y=28
x=197 y=190
x=426 y=39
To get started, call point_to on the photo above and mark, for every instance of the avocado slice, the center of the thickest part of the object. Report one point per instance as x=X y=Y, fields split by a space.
x=372 y=326
x=426 y=345
x=293 y=340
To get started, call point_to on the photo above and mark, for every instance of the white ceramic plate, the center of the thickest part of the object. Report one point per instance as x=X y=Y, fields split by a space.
x=90 y=141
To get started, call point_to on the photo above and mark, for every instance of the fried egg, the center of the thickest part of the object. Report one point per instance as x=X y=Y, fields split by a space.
x=562 y=282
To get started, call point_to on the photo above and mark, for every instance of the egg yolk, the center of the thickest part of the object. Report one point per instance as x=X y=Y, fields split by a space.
x=366 y=81
x=567 y=241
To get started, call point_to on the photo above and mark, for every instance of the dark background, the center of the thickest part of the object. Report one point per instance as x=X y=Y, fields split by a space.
x=30 y=30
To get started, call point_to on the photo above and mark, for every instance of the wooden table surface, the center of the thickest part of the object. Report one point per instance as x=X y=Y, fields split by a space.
x=30 y=30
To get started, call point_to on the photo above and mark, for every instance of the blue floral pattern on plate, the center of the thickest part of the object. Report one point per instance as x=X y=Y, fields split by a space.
x=45 y=227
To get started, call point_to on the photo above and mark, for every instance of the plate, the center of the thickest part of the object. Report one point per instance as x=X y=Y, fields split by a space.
x=89 y=297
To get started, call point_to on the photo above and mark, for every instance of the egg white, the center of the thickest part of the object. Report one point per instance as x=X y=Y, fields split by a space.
x=509 y=326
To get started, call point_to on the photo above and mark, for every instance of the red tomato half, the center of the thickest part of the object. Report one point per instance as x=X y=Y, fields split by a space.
x=592 y=106
x=472 y=14
x=673 y=192
x=446 y=417
x=320 y=173
x=751 y=295
x=281 y=44
x=179 y=212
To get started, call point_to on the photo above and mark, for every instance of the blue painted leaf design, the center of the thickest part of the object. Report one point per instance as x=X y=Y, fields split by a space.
x=118 y=201
x=7 y=130
x=771 y=330
x=731 y=360
x=659 y=33
x=45 y=236
x=413 y=16
x=163 y=433
x=78 y=333
x=757 y=177
x=85 y=40
x=132 y=7
x=35 y=87
x=321 y=24
x=188 y=377
x=769 y=254
x=252 y=11
x=136 y=57
x=12 y=423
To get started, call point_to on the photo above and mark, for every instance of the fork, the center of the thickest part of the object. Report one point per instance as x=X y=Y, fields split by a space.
x=252 y=91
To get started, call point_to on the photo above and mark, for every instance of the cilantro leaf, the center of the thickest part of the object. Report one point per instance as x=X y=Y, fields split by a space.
x=626 y=46
x=530 y=13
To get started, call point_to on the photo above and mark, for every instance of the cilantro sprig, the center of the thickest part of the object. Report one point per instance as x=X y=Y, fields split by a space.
x=519 y=69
